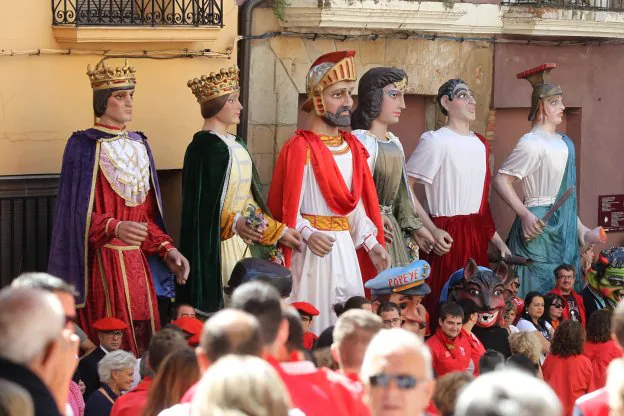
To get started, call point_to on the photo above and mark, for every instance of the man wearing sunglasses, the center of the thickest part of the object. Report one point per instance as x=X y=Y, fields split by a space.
x=397 y=374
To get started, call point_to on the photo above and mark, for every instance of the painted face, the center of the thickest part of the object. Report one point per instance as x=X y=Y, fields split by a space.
x=536 y=308
x=565 y=281
x=338 y=103
x=608 y=277
x=463 y=106
x=485 y=288
x=231 y=111
x=111 y=340
x=123 y=378
x=553 y=109
x=119 y=107
x=556 y=309
x=399 y=386
x=409 y=310
x=392 y=104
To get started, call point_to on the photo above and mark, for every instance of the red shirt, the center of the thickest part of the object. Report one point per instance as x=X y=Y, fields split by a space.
x=600 y=355
x=449 y=355
x=566 y=308
x=570 y=378
x=320 y=391
x=133 y=403
x=594 y=404
x=308 y=340
x=477 y=349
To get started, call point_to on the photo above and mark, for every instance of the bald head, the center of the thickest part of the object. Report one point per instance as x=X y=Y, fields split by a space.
x=230 y=331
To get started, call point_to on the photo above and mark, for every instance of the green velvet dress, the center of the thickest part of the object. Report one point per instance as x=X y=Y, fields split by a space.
x=207 y=164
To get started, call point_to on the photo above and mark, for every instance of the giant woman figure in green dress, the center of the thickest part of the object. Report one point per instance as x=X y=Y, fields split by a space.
x=380 y=102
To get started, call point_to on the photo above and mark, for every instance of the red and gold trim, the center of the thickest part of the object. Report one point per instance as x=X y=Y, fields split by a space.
x=328 y=223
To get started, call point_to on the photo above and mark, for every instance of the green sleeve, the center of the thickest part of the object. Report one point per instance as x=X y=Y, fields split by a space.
x=404 y=210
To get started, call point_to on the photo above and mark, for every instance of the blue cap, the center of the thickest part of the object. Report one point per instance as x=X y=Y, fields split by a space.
x=452 y=281
x=408 y=280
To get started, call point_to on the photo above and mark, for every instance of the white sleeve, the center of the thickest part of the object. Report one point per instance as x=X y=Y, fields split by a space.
x=524 y=159
x=525 y=326
x=363 y=230
x=426 y=160
x=303 y=225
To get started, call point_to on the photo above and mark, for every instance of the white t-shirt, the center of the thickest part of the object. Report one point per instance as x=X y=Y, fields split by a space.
x=539 y=160
x=452 y=167
x=528 y=326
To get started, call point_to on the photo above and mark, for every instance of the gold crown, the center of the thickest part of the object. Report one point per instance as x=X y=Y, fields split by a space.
x=209 y=87
x=104 y=77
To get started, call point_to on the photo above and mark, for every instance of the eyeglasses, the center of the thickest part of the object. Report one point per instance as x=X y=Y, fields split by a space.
x=403 y=381
x=392 y=322
x=114 y=333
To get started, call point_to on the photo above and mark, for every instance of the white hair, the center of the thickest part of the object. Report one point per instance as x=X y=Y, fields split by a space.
x=508 y=392
x=389 y=342
x=615 y=385
x=241 y=383
x=116 y=360
x=29 y=320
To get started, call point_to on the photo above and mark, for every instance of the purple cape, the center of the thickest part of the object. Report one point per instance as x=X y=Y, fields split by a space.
x=68 y=245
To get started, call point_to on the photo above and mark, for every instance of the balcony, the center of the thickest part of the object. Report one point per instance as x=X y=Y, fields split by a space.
x=77 y=21
x=543 y=18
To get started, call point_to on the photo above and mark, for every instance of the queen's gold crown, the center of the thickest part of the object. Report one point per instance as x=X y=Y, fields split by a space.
x=209 y=87
x=104 y=77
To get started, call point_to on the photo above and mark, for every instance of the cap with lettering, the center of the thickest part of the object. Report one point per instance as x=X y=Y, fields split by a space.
x=408 y=280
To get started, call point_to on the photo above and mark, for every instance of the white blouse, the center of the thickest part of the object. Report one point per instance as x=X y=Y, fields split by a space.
x=539 y=160
x=452 y=166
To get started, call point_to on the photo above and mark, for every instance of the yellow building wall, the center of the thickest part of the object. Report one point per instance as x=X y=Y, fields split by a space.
x=43 y=99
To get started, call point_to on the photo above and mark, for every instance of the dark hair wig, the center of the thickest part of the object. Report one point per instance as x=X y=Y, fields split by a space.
x=100 y=99
x=370 y=94
x=447 y=90
x=212 y=107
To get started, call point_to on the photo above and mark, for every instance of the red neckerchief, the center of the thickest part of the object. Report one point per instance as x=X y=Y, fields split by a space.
x=450 y=344
x=106 y=126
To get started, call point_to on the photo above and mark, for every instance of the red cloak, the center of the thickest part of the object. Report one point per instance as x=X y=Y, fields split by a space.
x=286 y=186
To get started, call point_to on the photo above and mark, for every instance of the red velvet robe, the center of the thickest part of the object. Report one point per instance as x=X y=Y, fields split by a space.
x=121 y=283
x=570 y=378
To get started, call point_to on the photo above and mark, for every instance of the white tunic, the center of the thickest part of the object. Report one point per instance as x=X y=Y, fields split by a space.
x=325 y=281
x=539 y=160
x=452 y=166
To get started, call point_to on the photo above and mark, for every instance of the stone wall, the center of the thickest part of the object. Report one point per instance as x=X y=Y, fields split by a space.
x=279 y=66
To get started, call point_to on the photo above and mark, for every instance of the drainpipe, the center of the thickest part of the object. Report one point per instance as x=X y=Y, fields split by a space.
x=244 y=62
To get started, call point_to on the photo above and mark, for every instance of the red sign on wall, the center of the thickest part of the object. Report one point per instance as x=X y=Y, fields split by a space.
x=611 y=212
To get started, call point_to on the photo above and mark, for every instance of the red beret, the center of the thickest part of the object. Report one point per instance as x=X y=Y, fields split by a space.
x=306 y=308
x=189 y=324
x=333 y=57
x=109 y=324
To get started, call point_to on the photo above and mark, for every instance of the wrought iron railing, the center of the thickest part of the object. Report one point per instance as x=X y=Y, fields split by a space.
x=607 y=5
x=137 y=12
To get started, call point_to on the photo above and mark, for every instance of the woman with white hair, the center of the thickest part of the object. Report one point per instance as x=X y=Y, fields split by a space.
x=508 y=392
x=116 y=372
x=244 y=385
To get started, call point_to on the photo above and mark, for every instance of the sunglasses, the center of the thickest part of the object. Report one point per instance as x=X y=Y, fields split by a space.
x=403 y=381
x=557 y=305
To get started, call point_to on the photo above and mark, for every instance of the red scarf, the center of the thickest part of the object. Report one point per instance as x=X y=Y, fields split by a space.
x=285 y=192
x=451 y=345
